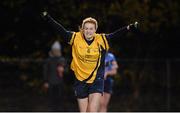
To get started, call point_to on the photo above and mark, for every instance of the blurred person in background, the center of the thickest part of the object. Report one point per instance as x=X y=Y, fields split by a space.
x=53 y=71
x=111 y=67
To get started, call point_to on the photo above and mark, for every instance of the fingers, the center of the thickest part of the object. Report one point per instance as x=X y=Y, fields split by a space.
x=44 y=13
x=136 y=24
x=133 y=26
x=130 y=26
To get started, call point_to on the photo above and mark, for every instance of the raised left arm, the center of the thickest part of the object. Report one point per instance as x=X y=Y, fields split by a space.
x=122 y=30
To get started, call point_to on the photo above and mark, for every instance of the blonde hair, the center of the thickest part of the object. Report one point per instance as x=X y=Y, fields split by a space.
x=89 y=20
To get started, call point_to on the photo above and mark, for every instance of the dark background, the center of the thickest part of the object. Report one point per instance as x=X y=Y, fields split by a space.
x=150 y=54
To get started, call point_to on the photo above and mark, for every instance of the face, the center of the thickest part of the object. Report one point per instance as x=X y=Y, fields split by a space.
x=89 y=30
x=56 y=52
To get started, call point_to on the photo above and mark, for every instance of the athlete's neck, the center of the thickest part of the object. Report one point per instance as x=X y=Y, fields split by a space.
x=89 y=39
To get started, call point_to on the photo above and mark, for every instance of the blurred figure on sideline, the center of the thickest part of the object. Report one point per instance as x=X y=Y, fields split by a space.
x=111 y=67
x=53 y=71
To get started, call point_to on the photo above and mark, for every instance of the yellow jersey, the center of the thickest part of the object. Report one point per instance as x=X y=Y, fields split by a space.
x=88 y=60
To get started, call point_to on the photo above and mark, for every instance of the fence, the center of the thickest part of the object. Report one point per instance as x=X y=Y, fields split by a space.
x=140 y=85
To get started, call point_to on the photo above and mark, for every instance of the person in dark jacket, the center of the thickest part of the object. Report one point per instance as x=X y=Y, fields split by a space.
x=53 y=70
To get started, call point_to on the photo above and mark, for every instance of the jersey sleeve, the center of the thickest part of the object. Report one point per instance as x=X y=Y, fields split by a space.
x=71 y=39
x=105 y=41
x=117 y=33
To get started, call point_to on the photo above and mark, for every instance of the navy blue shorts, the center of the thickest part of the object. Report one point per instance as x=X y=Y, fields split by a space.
x=82 y=89
x=108 y=85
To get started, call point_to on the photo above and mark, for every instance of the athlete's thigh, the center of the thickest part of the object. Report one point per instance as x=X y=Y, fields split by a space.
x=83 y=103
x=106 y=98
x=94 y=101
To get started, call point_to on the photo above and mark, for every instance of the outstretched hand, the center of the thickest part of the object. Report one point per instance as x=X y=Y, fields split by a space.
x=45 y=13
x=132 y=26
